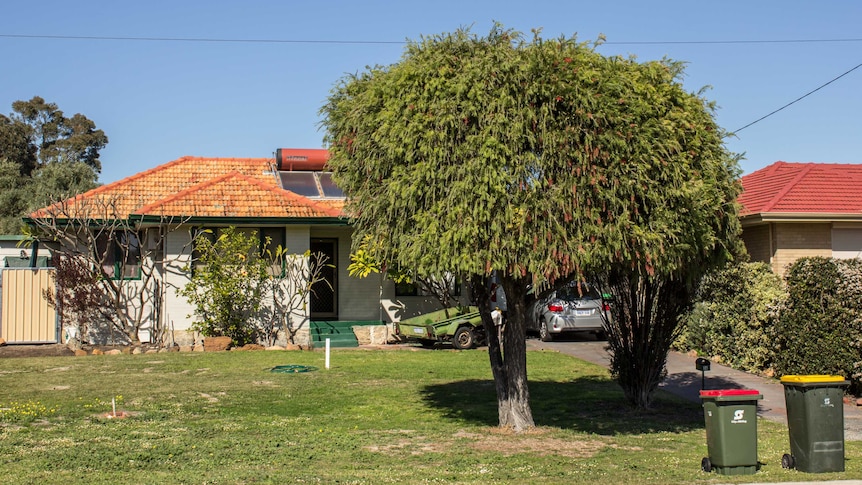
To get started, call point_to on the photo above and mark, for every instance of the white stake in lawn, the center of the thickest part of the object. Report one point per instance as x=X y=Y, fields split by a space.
x=327 y=353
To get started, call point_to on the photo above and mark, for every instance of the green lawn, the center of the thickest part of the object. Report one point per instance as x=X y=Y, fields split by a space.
x=374 y=417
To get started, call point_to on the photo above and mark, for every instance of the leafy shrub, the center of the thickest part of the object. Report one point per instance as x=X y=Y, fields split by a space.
x=734 y=317
x=227 y=289
x=820 y=332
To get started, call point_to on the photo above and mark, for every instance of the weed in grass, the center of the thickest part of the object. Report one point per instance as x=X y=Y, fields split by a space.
x=24 y=412
x=98 y=405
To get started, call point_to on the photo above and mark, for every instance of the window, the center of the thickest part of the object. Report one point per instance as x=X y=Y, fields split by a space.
x=276 y=238
x=406 y=289
x=121 y=255
x=418 y=289
x=210 y=233
x=275 y=235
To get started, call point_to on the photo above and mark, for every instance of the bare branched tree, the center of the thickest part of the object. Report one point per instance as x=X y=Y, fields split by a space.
x=123 y=256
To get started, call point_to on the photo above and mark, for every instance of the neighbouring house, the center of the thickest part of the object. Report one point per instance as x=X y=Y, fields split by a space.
x=290 y=199
x=795 y=210
x=15 y=254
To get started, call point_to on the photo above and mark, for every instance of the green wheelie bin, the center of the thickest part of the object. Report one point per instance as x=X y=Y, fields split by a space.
x=815 y=421
x=731 y=431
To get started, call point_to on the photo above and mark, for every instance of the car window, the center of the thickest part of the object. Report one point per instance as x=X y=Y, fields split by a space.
x=571 y=293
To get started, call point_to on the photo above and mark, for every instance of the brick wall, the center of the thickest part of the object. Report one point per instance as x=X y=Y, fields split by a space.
x=757 y=243
x=794 y=241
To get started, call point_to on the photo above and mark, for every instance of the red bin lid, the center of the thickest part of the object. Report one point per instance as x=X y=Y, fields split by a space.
x=728 y=392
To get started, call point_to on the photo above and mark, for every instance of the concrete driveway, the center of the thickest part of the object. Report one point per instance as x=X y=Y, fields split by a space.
x=684 y=380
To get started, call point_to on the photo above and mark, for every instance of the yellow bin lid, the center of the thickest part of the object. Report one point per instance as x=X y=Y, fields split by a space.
x=810 y=379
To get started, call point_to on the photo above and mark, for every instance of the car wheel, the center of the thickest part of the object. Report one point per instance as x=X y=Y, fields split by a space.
x=543 y=332
x=464 y=338
x=601 y=335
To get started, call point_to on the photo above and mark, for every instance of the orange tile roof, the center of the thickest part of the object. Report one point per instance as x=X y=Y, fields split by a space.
x=828 y=188
x=237 y=195
x=197 y=187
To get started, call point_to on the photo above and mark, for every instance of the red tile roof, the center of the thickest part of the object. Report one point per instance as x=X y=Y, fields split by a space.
x=198 y=187
x=827 y=188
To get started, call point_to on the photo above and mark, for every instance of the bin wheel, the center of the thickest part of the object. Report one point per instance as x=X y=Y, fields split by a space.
x=787 y=461
x=706 y=465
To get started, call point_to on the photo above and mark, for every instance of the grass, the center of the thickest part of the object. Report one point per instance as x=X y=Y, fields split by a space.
x=374 y=417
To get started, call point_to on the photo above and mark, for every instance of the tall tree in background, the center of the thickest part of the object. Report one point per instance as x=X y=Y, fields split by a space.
x=57 y=138
x=54 y=156
x=540 y=160
x=15 y=146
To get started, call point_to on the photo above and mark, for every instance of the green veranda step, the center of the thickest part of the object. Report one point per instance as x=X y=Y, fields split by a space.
x=339 y=332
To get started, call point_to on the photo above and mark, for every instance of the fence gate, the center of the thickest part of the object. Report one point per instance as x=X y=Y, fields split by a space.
x=25 y=316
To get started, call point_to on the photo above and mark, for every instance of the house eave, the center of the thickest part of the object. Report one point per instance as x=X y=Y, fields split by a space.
x=798 y=217
x=154 y=220
x=232 y=220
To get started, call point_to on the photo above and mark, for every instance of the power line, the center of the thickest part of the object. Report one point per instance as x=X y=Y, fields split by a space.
x=200 y=39
x=799 y=98
x=748 y=41
x=330 y=41
x=387 y=42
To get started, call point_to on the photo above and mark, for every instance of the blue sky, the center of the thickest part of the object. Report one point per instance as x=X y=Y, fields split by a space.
x=160 y=100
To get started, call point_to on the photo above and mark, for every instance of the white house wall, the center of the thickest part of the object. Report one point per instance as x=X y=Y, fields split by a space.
x=177 y=310
x=359 y=299
x=355 y=302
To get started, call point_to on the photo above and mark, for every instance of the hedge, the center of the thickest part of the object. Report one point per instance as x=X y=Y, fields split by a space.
x=808 y=323
x=734 y=316
x=820 y=330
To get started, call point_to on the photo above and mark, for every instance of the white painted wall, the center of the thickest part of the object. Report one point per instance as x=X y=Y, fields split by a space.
x=179 y=314
x=358 y=298
x=176 y=310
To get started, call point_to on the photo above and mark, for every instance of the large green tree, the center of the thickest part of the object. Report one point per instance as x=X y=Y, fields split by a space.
x=52 y=156
x=540 y=160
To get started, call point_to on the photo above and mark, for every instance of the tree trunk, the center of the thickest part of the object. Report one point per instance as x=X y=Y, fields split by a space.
x=644 y=323
x=509 y=357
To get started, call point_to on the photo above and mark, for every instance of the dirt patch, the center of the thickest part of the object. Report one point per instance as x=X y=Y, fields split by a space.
x=41 y=350
x=535 y=441
x=61 y=350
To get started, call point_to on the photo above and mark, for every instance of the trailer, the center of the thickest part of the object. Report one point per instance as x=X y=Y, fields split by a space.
x=462 y=327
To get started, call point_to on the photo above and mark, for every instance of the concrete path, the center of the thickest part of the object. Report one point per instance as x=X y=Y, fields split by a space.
x=684 y=380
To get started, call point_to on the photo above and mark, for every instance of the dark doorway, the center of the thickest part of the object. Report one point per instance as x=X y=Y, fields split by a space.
x=324 y=296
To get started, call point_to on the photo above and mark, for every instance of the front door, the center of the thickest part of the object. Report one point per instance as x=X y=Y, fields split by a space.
x=324 y=294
